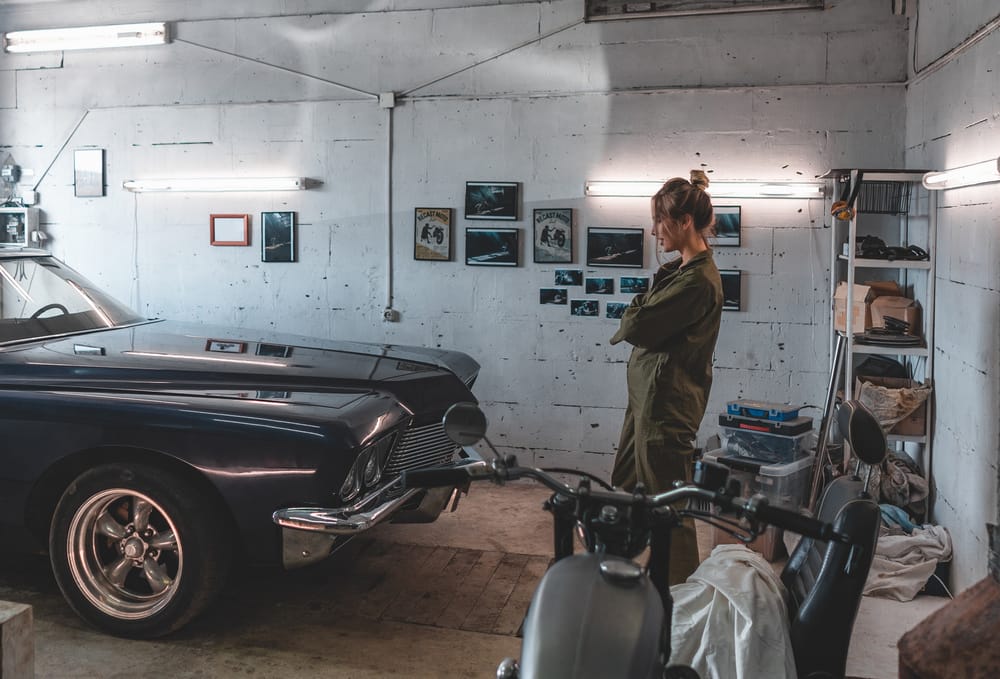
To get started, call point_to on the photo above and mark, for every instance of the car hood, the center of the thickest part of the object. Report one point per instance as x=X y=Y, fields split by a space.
x=171 y=356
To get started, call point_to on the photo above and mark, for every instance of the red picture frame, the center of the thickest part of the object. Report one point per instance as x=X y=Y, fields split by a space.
x=229 y=229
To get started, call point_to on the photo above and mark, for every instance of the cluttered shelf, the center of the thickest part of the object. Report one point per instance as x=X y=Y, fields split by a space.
x=862 y=263
x=859 y=348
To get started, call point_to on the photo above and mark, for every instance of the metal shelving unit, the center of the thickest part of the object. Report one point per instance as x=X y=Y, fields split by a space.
x=895 y=196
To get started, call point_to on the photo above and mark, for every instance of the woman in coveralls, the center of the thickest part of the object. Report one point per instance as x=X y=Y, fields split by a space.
x=673 y=329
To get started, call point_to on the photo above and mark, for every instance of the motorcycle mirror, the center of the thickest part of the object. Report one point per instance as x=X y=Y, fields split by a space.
x=862 y=431
x=465 y=423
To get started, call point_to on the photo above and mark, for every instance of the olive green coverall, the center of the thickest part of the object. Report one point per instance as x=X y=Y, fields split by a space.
x=673 y=329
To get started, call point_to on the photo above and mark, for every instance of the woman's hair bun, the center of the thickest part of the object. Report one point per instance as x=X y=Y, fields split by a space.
x=699 y=179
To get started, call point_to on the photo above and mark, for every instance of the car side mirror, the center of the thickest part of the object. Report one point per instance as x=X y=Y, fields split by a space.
x=465 y=423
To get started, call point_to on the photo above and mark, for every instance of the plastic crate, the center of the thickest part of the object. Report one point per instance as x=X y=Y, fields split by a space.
x=763 y=446
x=782 y=484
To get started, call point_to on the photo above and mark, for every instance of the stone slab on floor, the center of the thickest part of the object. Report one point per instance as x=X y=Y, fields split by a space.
x=17 y=642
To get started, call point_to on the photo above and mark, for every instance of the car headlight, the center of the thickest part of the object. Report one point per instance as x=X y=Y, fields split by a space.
x=367 y=469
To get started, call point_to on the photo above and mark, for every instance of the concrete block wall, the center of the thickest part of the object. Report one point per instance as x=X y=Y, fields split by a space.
x=256 y=89
x=953 y=119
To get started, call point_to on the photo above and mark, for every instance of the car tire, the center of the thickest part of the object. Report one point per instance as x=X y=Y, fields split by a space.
x=138 y=551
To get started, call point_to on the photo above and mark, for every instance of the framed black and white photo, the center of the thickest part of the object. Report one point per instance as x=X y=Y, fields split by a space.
x=277 y=236
x=599 y=286
x=552 y=296
x=274 y=350
x=491 y=247
x=633 y=284
x=568 y=277
x=727 y=226
x=615 y=247
x=432 y=234
x=492 y=200
x=553 y=235
x=226 y=346
x=732 y=290
x=615 y=309
x=583 y=307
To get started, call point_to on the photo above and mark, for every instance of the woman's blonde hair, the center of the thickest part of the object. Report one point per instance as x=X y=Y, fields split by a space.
x=679 y=197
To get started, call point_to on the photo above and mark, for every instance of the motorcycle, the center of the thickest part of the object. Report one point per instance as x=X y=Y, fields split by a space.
x=599 y=613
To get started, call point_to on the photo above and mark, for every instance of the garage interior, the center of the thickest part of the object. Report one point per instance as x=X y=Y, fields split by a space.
x=381 y=107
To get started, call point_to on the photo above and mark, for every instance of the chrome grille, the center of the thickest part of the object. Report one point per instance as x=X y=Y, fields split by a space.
x=419 y=447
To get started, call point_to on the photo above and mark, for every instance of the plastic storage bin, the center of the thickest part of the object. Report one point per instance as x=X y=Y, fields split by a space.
x=782 y=484
x=764 y=447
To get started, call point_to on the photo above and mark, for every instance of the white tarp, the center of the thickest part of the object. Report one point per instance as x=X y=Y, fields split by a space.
x=731 y=618
x=903 y=563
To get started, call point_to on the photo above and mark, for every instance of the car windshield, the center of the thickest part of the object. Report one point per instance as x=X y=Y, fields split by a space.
x=41 y=297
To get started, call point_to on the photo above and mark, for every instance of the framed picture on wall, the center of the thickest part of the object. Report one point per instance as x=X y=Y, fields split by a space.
x=615 y=309
x=727 y=226
x=88 y=173
x=568 y=277
x=229 y=229
x=583 y=307
x=732 y=289
x=633 y=284
x=552 y=296
x=492 y=200
x=599 y=286
x=615 y=247
x=277 y=237
x=491 y=247
x=432 y=234
x=553 y=236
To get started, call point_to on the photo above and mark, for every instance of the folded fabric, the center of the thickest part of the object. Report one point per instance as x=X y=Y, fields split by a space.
x=903 y=563
x=731 y=618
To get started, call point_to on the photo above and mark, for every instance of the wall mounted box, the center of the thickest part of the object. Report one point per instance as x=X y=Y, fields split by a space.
x=17 y=224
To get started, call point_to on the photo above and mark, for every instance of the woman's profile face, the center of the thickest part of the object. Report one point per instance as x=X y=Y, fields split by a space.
x=668 y=232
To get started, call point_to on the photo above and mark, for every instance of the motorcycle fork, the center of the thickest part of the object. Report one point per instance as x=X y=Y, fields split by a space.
x=563 y=511
x=659 y=575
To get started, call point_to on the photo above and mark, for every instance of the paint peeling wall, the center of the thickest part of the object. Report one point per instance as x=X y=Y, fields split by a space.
x=953 y=119
x=288 y=90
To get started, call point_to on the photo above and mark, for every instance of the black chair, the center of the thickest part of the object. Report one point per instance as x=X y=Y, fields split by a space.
x=826 y=579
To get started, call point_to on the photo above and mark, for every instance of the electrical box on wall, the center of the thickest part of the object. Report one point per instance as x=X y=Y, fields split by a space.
x=17 y=224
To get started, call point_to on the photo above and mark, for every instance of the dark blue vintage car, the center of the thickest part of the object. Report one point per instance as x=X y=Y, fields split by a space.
x=143 y=455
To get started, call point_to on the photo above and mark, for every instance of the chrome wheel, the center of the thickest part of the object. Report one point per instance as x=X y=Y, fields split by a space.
x=124 y=554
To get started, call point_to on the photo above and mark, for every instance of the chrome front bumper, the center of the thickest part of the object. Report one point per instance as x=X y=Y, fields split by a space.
x=310 y=534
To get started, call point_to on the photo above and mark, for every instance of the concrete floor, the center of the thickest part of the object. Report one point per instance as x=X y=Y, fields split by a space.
x=334 y=621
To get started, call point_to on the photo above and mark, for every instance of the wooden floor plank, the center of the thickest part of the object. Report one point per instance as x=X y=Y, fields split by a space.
x=512 y=614
x=484 y=614
x=442 y=588
x=469 y=590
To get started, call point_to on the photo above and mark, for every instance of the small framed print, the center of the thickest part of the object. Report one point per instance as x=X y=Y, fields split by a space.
x=633 y=284
x=274 y=350
x=432 y=234
x=732 y=289
x=277 y=237
x=615 y=247
x=583 y=307
x=568 y=277
x=600 y=286
x=491 y=247
x=226 y=346
x=727 y=226
x=88 y=173
x=553 y=236
x=552 y=296
x=492 y=200
x=615 y=309
x=229 y=229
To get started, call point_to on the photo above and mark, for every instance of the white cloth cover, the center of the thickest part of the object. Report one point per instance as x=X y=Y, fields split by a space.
x=903 y=563
x=731 y=618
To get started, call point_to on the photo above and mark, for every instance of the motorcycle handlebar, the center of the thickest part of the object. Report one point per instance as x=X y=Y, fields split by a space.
x=754 y=508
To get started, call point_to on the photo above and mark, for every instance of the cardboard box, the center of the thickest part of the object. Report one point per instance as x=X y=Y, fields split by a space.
x=768 y=544
x=915 y=424
x=864 y=295
x=903 y=308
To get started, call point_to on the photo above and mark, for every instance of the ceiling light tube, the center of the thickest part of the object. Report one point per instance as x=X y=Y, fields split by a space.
x=217 y=184
x=967 y=175
x=87 y=37
x=717 y=189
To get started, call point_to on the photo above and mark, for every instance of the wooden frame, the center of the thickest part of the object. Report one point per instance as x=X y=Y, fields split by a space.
x=277 y=236
x=553 y=241
x=432 y=234
x=229 y=229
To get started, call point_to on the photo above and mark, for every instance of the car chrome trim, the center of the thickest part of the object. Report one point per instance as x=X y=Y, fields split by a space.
x=338 y=521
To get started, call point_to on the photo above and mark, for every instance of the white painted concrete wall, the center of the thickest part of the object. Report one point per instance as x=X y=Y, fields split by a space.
x=953 y=119
x=770 y=96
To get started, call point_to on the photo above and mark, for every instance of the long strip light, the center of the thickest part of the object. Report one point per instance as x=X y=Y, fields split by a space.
x=86 y=37
x=967 y=175
x=217 y=184
x=717 y=189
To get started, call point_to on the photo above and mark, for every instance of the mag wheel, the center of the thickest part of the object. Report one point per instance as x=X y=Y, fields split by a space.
x=137 y=551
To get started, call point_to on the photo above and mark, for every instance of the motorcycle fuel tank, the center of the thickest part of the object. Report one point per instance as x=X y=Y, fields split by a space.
x=592 y=622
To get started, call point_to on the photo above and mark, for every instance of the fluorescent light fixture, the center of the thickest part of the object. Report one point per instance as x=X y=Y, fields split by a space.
x=87 y=37
x=967 y=175
x=717 y=189
x=217 y=184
